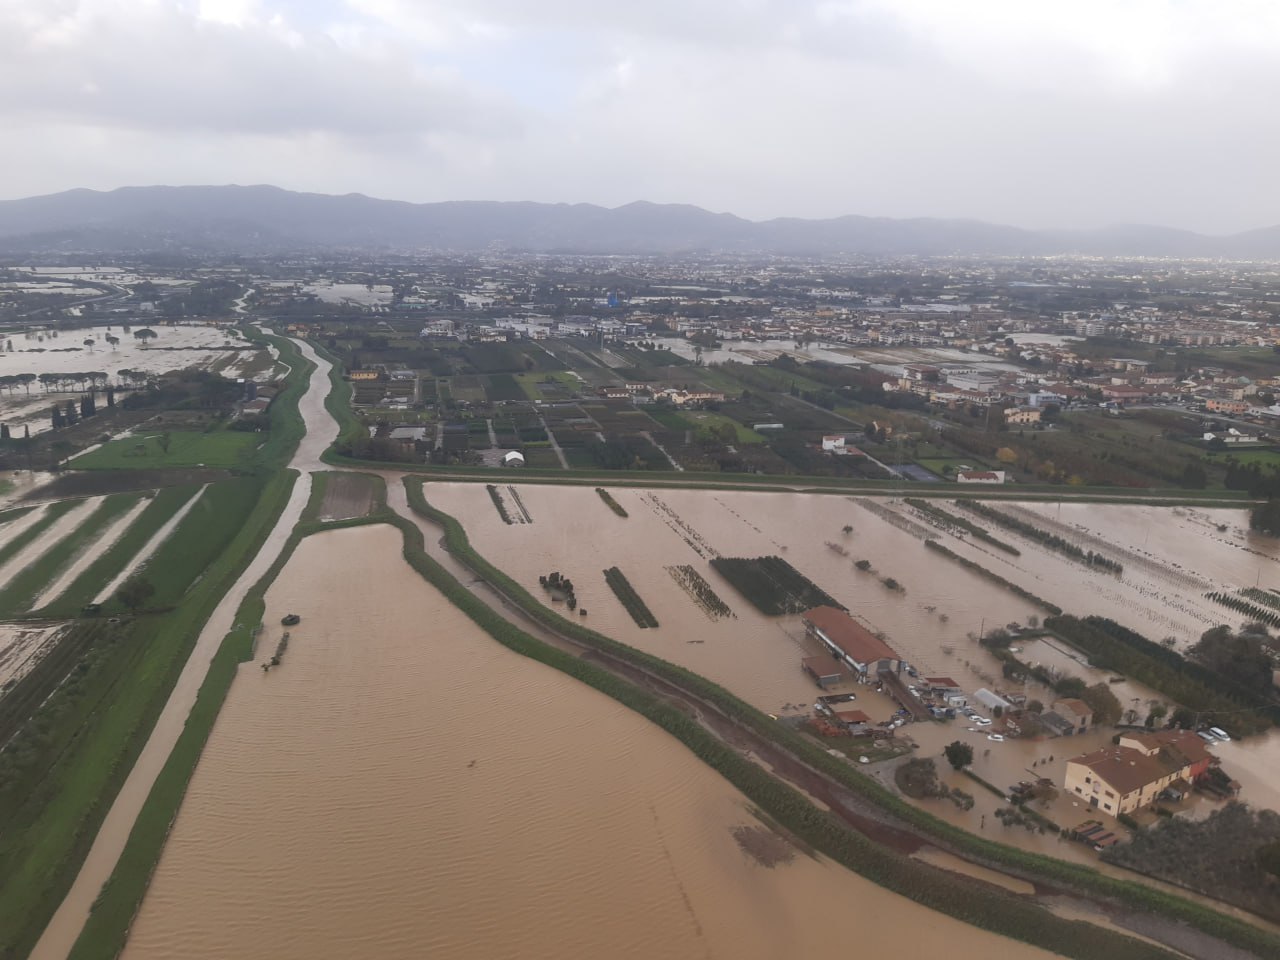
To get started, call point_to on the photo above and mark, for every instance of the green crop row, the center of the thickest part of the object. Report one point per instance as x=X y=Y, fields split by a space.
x=628 y=597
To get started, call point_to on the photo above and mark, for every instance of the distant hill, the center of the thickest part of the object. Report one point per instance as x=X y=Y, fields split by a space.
x=265 y=219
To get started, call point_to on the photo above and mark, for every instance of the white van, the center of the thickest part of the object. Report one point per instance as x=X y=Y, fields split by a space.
x=1220 y=734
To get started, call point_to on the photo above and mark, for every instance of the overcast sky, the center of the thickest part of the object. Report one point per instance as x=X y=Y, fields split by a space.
x=1036 y=113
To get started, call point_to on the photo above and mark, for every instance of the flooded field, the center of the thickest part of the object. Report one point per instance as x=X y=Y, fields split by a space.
x=371 y=797
x=22 y=647
x=758 y=657
x=201 y=345
x=755 y=656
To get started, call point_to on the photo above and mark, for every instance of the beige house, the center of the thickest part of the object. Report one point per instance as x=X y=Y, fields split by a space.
x=1020 y=416
x=1130 y=775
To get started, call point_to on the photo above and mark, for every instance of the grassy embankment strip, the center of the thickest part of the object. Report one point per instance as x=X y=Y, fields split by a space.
x=994 y=577
x=51 y=515
x=286 y=426
x=99 y=573
x=1217 y=699
x=627 y=596
x=979 y=905
x=319 y=484
x=612 y=504
x=51 y=830
x=943 y=517
x=113 y=912
x=1031 y=866
x=23 y=588
x=1045 y=538
x=338 y=402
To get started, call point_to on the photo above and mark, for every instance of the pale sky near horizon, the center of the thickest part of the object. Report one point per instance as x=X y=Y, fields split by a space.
x=1037 y=114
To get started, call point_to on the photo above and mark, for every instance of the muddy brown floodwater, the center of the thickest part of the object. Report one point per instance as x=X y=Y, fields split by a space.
x=403 y=786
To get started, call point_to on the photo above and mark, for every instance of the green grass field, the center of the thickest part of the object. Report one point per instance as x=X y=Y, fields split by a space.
x=703 y=418
x=220 y=448
x=1264 y=458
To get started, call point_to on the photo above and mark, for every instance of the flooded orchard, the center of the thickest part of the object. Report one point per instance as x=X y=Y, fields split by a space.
x=404 y=786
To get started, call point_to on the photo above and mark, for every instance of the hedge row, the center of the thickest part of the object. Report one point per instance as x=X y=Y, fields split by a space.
x=942 y=516
x=1045 y=538
x=979 y=849
x=978 y=905
x=1251 y=610
x=628 y=597
x=994 y=577
x=613 y=504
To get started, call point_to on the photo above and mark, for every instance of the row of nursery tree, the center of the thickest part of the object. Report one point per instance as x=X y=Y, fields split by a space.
x=64 y=382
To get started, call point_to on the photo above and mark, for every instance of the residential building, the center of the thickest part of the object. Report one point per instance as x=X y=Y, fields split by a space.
x=1123 y=778
x=1076 y=712
x=1021 y=416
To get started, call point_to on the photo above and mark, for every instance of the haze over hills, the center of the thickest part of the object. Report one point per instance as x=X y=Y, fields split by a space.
x=266 y=219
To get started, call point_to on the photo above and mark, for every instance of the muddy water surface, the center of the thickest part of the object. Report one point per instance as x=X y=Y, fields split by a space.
x=755 y=656
x=402 y=786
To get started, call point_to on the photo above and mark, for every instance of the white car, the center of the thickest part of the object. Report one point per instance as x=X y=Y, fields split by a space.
x=995 y=737
x=982 y=721
x=1220 y=734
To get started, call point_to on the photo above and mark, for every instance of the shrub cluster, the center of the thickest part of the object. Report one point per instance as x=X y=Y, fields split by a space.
x=696 y=586
x=772 y=585
x=1113 y=647
x=611 y=503
x=627 y=595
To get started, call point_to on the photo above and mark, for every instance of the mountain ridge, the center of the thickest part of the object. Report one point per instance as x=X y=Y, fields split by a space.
x=264 y=219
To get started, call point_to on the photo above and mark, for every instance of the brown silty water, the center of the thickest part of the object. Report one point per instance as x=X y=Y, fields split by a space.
x=758 y=657
x=403 y=786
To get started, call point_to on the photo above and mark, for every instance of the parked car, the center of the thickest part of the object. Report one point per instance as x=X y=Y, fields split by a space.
x=995 y=737
x=982 y=721
x=1220 y=734
x=1207 y=737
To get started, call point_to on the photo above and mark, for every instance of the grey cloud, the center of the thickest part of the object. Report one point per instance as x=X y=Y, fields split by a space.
x=159 y=67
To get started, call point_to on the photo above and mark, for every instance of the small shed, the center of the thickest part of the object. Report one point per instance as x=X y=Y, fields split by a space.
x=513 y=458
x=826 y=670
x=854 y=720
x=990 y=700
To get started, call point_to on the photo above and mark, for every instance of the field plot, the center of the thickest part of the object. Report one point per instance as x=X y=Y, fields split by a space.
x=349 y=495
x=218 y=448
